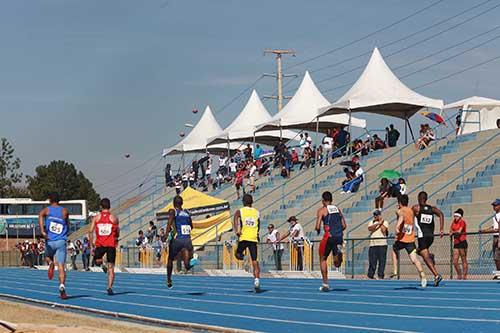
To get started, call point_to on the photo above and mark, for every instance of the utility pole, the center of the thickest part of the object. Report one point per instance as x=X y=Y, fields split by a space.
x=279 y=75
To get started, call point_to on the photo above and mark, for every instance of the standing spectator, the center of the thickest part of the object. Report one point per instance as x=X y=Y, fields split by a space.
x=72 y=253
x=195 y=167
x=208 y=171
x=273 y=238
x=458 y=230
x=152 y=232
x=158 y=248
x=178 y=184
x=494 y=230
x=86 y=253
x=296 y=234
x=248 y=152
x=141 y=242
x=386 y=140
x=295 y=157
x=163 y=236
x=191 y=178
x=308 y=139
x=343 y=138
x=384 y=192
x=222 y=163
x=392 y=136
x=238 y=183
x=185 y=180
x=377 y=253
x=232 y=167
x=458 y=121
x=239 y=157
x=204 y=160
x=251 y=175
x=168 y=176
x=302 y=144
x=257 y=152
x=41 y=251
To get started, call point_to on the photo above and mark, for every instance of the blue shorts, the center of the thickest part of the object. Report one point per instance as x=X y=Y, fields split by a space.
x=56 y=249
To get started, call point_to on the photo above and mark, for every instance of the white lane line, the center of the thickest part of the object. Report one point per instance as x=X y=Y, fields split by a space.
x=231 y=315
x=374 y=314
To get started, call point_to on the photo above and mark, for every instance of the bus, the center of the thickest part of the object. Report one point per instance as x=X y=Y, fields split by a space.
x=19 y=216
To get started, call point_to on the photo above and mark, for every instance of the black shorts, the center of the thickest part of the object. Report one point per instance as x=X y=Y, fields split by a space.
x=461 y=245
x=425 y=242
x=110 y=253
x=243 y=245
x=177 y=245
x=398 y=246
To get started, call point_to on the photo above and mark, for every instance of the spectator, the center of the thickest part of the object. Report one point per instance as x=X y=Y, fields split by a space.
x=240 y=175
x=494 y=230
x=458 y=230
x=402 y=186
x=308 y=139
x=152 y=232
x=353 y=185
x=426 y=136
x=168 y=176
x=232 y=167
x=258 y=152
x=239 y=156
x=318 y=156
x=73 y=252
x=41 y=251
x=377 y=143
x=185 y=179
x=195 y=168
x=208 y=171
x=335 y=135
x=288 y=164
x=377 y=253
x=386 y=140
x=392 y=136
x=343 y=138
x=273 y=238
x=251 y=175
x=384 y=192
x=295 y=157
x=158 y=249
x=202 y=161
x=191 y=177
x=306 y=161
x=458 y=121
x=85 y=249
x=296 y=234
x=141 y=242
x=302 y=143
x=163 y=236
x=178 y=184
x=248 y=152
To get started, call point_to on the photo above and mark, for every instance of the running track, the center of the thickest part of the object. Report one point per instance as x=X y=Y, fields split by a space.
x=285 y=305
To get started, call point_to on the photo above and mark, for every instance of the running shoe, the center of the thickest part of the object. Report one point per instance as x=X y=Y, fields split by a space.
x=194 y=261
x=62 y=293
x=104 y=269
x=324 y=288
x=394 y=276
x=170 y=284
x=50 y=272
x=437 y=280
x=423 y=280
x=110 y=292
x=256 y=285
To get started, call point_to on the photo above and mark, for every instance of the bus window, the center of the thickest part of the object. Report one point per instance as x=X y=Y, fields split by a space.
x=73 y=209
x=33 y=209
x=14 y=210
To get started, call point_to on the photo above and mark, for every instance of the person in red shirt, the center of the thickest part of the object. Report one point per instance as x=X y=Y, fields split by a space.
x=107 y=231
x=458 y=230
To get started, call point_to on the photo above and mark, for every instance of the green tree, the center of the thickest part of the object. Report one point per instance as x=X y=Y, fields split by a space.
x=9 y=168
x=63 y=178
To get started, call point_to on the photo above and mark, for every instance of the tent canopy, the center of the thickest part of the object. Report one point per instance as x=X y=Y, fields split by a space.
x=302 y=111
x=478 y=113
x=243 y=127
x=196 y=140
x=196 y=203
x=379 y=91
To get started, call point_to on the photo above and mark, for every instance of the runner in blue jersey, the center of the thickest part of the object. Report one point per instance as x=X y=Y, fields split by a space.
x=334 y=225
x=180 y=225
x=54 y=221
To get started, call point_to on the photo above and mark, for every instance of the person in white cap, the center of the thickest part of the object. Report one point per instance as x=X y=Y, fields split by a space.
x=494 y=230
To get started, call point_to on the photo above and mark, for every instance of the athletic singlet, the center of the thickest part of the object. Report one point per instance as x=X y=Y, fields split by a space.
x=106 y=231
x=407 y=235
x=425 y=221
x=249 y=224
x=183 y=224
x=56 y=226
x=332 y=222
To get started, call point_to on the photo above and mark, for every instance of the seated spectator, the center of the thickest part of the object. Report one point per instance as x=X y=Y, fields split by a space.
x=377 y=143
x=295 y=157
x=152 y=231
x=239 y=156
x=426 y=136
x=232 y=167
x=384 y=192
x=158 y=249
x=248 y=152
x=318 y=156
x=240 y=175
x=264 y=167
x=353 y=185
x=306 y=161
x=349 y=175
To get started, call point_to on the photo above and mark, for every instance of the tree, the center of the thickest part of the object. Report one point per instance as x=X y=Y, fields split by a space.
x=9 y=168
x=63 y=178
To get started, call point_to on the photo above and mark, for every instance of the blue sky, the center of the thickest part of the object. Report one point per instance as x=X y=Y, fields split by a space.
x=88 y=81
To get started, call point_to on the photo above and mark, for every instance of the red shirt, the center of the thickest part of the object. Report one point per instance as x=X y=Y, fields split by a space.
x=456 y=226
x=106 y=231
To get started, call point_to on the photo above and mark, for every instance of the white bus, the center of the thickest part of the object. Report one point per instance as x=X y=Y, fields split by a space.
x=20 y=215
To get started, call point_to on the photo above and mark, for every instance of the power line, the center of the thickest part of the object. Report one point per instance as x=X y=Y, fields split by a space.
x=366 y=36
x=239 y=95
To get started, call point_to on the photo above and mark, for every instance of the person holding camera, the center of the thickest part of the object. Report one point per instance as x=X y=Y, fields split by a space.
x=377 y=252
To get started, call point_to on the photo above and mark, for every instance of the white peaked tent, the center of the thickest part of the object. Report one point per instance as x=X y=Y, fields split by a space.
x=196 y=140
x=243 y=127
x=379 y=91
x=478 y=113
x=302 y=111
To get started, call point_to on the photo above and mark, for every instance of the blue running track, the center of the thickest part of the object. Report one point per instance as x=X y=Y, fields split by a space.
x=284 y=305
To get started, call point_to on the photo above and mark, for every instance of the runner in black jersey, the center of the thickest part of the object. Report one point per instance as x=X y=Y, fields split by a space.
x=424 y=225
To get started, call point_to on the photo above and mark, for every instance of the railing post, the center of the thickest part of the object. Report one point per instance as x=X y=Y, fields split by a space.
x=365 y=180
x=283 y=195
x=463 y=168
x=401 y=160
x=128 y=256
x=451 y=257
x=352 y=258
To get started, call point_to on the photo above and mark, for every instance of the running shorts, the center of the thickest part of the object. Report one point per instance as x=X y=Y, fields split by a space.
x=330 y=245
x=177 y=245
x=409 y=247
x=56 y=249
x=424 y=243
x=110 y=253
x=242 y=246
x=460 y=245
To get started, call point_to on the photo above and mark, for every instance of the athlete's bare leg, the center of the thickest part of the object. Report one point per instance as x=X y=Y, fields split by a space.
x=324 y=269
x=428 y=261
x=111 y=275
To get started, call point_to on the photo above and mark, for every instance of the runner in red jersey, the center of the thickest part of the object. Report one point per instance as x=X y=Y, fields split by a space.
x=107 y=232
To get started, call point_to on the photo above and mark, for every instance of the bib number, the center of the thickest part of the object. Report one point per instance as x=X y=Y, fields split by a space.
x=332 y=209
x=56 y=228
x=185 y=230
x=426 y=218
x=249 y=222
x=408 y=229
x=104 y=229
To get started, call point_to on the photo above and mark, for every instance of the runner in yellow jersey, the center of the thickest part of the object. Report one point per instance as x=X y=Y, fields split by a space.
x=246 y=225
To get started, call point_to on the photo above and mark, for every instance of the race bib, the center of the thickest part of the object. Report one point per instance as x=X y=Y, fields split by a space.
x=185 y=230
x=426 y=218
x=104 y=229
x=408 y=229
x=56 y=228
x=249 y=222
x=332 y=209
